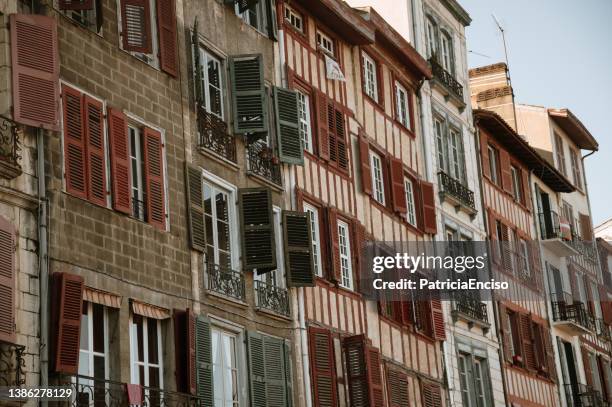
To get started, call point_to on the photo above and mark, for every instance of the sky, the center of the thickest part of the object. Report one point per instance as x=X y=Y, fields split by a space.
x=560 y=55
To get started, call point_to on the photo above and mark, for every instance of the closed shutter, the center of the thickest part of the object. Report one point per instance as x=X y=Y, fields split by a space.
x=74 y=143
x=67 y=302
x=484 y=154
x=529 y=357
x=341 y=139
x=375 y=378
x=606 y=305
x=506 y=250
x=334 y=244
x=185 y=350
x=322 y=124
x=166 y=21
x=398 y=188
x=288 y=373
x=586 y=231
x=299 y=261
x=96 y=154
x=550 y=353
x=526 y=189
x=506 y=333
x=366 y=169
x=533 y=248
x=203 y=365
x=504 y=163
x=7 y=281
x=195 y=200
x=76 y=4
x=267 y=373
x=154 y=178
x=431 y=395
x=290 y=149
x=258 y=243
x=248 y=94
x=586 y=363
x=539 y=347
x=136 y=25
x=35 y=70
x=437 y=318
x=397 y=388
x=356 y=370
x=605 y=373
x=493 y=241
x=322 y=367
x=120 y=161
x=429 y=207
x=358 y=242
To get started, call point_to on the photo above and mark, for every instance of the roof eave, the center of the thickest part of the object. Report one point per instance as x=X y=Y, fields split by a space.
x=574 y=128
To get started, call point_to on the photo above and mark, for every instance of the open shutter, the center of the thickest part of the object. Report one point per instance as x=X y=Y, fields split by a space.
x=526 y=190
x=356 y=370
x=166 y=22
x=437 y=318
x=120 y=163
x=185 y=350
x=68 y=300
x=429 y=207
x=550 y=353
x=529 y=358
x=322 y=367
x=136 y=26
x=334 y=244
x=375 y=377
x=586 y=363
x=504 y=163
x=398 y=188
x=505 y=332
x=299 y=262
x=397 y=388
x=7 y=281
x=586 y=231
x=248 y=94
x=203 y=365
x=257 y=369
x=290 y=149
x=366 y=169
x=431 y=395
x=484 y=154
x=340 y=138
x=258 y=243
x=195 y=199
x=76 y=4
x=606 y=305
x=96 y=155
x=35 y=70
x=274 y=366
x=288 y=373
x=322 y=124
x=74 y=143
x=589 y=295
x=154 y=178
x=358 y=242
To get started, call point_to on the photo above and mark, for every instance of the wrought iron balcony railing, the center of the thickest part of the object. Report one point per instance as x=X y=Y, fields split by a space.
x=454 y=188
x=264 y=163
x=213 y=135
x=154 y=397
x=272 y=298
x=575 y=312
x=225 y=281
x=471 y=306
x=581 y=395
x=12 y=365
x=139 y=209
x=584 y=247
x=603 y=330
x=446 y=78
x=10 y=149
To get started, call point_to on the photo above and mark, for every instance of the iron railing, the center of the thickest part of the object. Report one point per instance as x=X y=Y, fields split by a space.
x=139 y=209
x=603 y=330
x=454 y=188
x=12 y=365
x=225 y=281
x=585 y=248
x=471 y=306
x=10 y=149
x=213 y=135
x=154 y=397
x=272 y=298
x=575 y=312
x=581 y=395
x=263 y=162
x=446 y=78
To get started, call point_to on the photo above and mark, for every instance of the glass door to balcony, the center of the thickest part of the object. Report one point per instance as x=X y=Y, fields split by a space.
x=569 y=372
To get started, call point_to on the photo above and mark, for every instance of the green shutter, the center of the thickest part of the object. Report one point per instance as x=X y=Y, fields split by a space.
x=197 y=64
x=297 y=242
x=257 y=369
x=271 y=12
x=195 y=200
x=204 y=370
x=257 y=222
x=290 y=149
x=288 y=380
x=248 y=94
x=268 y=371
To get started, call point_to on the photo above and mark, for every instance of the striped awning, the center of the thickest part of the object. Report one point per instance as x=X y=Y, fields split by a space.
x=101 y=297
x=149 y=311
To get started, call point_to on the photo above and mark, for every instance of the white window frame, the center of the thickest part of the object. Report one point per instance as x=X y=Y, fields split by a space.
x=524 y=253
x=439 y=129
x=89 y=352
x=516 y=183
x=261 y=16
x=151 y=59
x=370 y=79
x=402 y=104
x=446 y=51
x=205 y=57
x=493 y=161
x=89 y=18
x=292 y=17
x=344 y=248
x=576 y=168
x=455 y=154
x=305 y=123
x=325 y=43
x=237 y=340
x=316 y=242
x=137 y=191
x=431 y=33
x=378 y=181
x=134 y=363
x=410 y=201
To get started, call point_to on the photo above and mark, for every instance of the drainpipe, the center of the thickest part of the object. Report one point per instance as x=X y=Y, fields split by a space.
x=43 y=274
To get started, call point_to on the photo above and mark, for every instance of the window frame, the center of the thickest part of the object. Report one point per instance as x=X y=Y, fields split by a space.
x=411 y=212
x=305 y=121
x=90 y=352
x=494 y=167
x=321 y=35
x=263 y=20
x=205 y=53
x=407 y=122
x=431 y=33
x=294 y=13
x=134 y=363
x=93 y=23
x=346 y=279
x=137 y=156
x=371 y=87
x=378 y=177
x=152 y=59
x=517 y=183
x=448 y=65
x=239 y=371
x=316 y=237
x=559 y=147
x=276 y=277
x=576 y=168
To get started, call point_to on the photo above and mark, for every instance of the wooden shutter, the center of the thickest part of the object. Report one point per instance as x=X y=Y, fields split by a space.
x=7 y=281
x=550 y=353
x=586 y=363
x=437 y=318
x=340 y=138
x=299 y=261
x=358 y=241
x=68 y=300
x=356 y=370
x=484 y=154
x=606 y=305
x=429 y=207
x=506 y=173
x=203 y=366
x=526 y=189
x=529 y=357
x=431 y=395
x=366 y=169
x=506 y=333
x=76 y=4
x=185 y=350
x=288 y=373
x=248 y=94
x=96 y=151
x=604 y=372
x=397 y=388
x=375 y=378
x=398 y=188
x=589 y=294
x=35 y=70
x=257 y=370
x=74 y=143
x=154 y=178
x=136 y=26
x=586 y=231
x=195 y=201
x=120 y=161
x=322 y=367
x=266 y=370
x=257 y=221
x=334 y=244
x=166 y=25
x=290 y=149
x=322 y=124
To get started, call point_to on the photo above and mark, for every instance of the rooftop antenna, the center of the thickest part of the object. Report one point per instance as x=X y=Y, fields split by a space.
x=478 y=53
x=503 y=34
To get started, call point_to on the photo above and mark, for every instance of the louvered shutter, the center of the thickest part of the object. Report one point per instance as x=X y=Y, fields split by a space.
x=358 y=243
x=550 y=353
x=506 y=333
x=136 y=26
x=274 y=366
x=573 y=277
x=288 y=373
x=166 y=22
x=606 y=371
x=322 y=124
x=585 y=227
x=120 y=161
x=504 y=163
x=397 y=387
x=258 y=243
x=493 y=241
x=74 y=143
x=299 y=261
x=506 y=250
x=257 y=369
x=76 y=4
x=195 y=200
x=185 y=350
x=431 y=395
x=484 y=154
x=429 y=207
x=375 y=380
x=398 y=188
x=526 y=190
x=366 y=169
x=356 y=370
x=437 y=318
x=589 y=295
x=290 y=149
x=322 y=367
x=340 y=138
x=606 y=305
x=334 y=244
x=203 y=365
x=35 y=66
x=7 y=281
x=529 y=358
x=154 y=178
x=586 y=363
x=96 y=154
x=248 y=94
x=67 y=303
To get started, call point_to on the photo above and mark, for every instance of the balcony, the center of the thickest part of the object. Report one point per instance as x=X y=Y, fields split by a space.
x=264 y=163
x=556 y=238
x=213 y=136
x=12 y=365
x=225 y=281
x=447 y=84
x=603 y=330
x=470 y=308
x=573 y=318
x=457 y=194
x=272 y=298
x=10 y=149
x=580 y=395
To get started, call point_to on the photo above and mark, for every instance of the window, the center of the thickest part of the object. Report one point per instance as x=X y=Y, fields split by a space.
x=137 y=26
x=377 y=178
x=370 y=80
x=439 y=127
x=473 y=378
x=316 y=243
x=402 y=102
x=560 y=154
x=576 y=168
x=226 y=380
x=479 y=381
x=304 y=120
x=136 y=165
x=446 y=57
x=146 y=351
x=294 y=19
x=410 y=201
x=494 y=164
x=515 y=338
x=219 y=221
x=517 y=189
x=325 y=43
x=211 y=72
x=346 y=268
x=275 y=277
x=255 y=16
x=524 y=257
x=89 y=14
x=93 y=354
x=449 y=146
x=432 y=33
x=455 y=155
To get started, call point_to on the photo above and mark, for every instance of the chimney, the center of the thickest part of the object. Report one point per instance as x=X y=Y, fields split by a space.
x=490 y=89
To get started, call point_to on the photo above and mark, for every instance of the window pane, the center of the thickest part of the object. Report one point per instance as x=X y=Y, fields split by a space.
x=207 y=192
x=99 y=368
x=152 y=340
x=84 y=327
x=139 y=337
x=98 y=328
x=84 y=363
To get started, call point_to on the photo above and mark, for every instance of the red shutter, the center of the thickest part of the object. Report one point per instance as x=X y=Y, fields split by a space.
x=166 y=20
x=322 y=367
x=606 y=305
x=504 y=163
x=585 y=227
x=35 y=70
x=484 y=154
x=96 y=156
x=68 y=302
x=340 y=133
x=76 y=4
x=398 y=188
x=429 y=207
x=375 y=380
x=322 y=124
x=550 y=353
x=154 y=178
x=184 y=334
x=493 y=240
x=529 y=358
x=7 y=281
x=136 y=25
x=526 y=189
x=589 y=294
x=604 y=373
x=120 y=161
x=506 y=333
x=431 y=395
x=397 y=388
x=364 y=156
x=586 y=363
x=358 y=248
x=334 y=244
x=74 y=143
x=356 y=370
x=437 y=319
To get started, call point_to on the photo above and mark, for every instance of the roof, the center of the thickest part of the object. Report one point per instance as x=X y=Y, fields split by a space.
x=574 y=128
x=519 y=147
x=459 y=12
x=497 y=67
